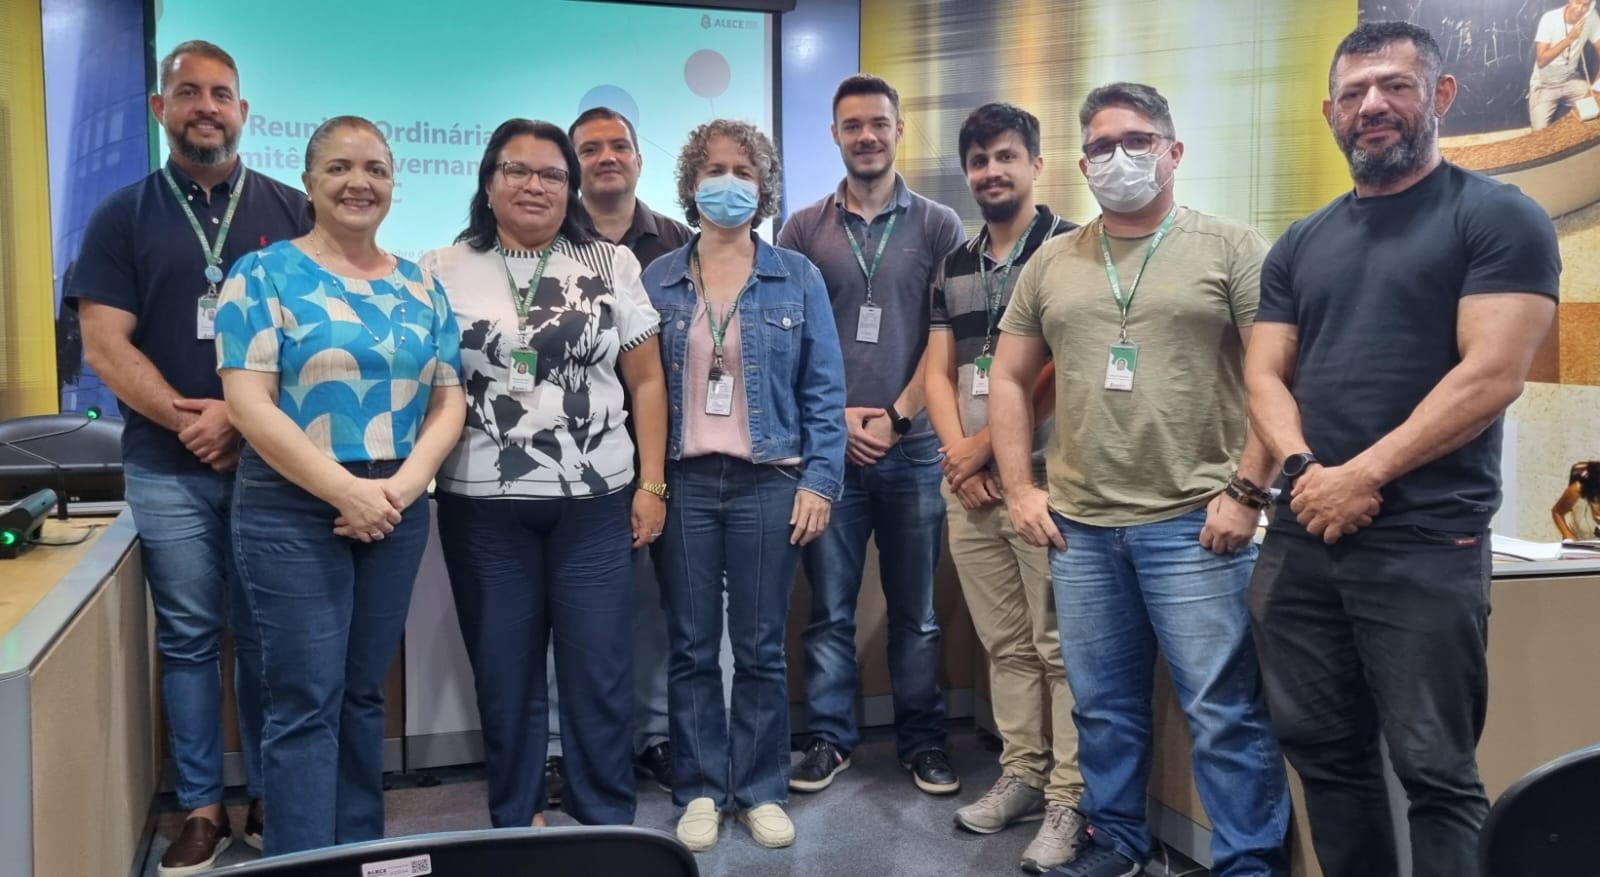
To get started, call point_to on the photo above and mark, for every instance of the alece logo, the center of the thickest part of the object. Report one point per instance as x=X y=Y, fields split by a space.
x=707 y=21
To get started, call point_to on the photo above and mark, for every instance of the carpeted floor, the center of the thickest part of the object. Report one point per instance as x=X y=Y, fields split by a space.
x=872 y=821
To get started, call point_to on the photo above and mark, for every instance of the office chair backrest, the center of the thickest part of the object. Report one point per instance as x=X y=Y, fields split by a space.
x=1547 y=824
x=579 y=851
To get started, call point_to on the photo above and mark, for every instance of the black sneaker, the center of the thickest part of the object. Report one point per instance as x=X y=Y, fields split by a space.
x=1097 y=861
x=816 y=770
x=933 y=773
x=555 y=780
x=657 y=762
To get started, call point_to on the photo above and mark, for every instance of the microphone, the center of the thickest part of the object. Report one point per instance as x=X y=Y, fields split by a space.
x=21 y=522
x=61 y=471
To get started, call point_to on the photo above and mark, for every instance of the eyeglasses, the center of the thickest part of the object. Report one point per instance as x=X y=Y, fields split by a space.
x=553 y=179
x=1134 y=144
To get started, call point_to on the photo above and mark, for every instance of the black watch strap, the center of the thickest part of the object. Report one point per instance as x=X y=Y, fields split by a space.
x=901 y=424
x=1296 y=465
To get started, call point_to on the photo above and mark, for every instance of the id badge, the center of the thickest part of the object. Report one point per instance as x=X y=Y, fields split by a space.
x=205 y=318
x=524 y=370
x=719 y=396
x=980 y=375
x=1121 y=363
x=869 y=324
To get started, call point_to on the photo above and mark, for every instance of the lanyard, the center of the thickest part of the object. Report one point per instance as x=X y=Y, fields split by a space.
x=521 y=297
x=1123 y=303
x=717 y=331
x=213 y=251
x=992 y=295
x=861 y=259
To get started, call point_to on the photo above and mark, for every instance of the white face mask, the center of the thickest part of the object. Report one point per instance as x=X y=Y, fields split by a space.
x=1125 y=184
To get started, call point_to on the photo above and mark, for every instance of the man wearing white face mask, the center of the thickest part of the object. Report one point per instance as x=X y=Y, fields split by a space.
x=1153 y=486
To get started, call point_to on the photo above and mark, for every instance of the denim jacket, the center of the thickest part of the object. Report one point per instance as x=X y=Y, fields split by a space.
x=793 y=371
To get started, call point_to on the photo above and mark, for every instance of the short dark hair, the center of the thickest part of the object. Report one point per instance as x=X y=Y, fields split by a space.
x=594 y=113
x=1142 y=99
x=482 y=230
x=325 y=130
x=993 y=119
x=1371 y=37
x=866 y=83
x=192 y=47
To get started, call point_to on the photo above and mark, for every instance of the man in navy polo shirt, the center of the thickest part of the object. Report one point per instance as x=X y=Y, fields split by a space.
x=146 y=281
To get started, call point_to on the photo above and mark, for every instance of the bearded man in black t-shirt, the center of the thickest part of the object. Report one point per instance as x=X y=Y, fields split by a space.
x=1395 y=326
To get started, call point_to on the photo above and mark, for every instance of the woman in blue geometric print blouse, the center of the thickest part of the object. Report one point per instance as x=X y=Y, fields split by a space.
x=341 y=367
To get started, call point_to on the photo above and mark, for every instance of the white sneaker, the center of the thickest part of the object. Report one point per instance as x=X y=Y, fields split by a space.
x=769 y=825
x=1010 y=801
x=698 y=825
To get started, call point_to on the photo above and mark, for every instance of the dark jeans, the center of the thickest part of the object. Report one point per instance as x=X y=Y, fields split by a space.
x=330 y=612
x=1384 y=633
x=896 y=501
x=521 y=571
x=728 y=515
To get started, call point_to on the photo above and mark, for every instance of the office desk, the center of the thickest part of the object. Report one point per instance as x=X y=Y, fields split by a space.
x=1543 y=657
x=77 y=751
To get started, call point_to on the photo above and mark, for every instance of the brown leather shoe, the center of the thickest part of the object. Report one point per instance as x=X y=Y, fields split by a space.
x=254 y=822
x=197 y=847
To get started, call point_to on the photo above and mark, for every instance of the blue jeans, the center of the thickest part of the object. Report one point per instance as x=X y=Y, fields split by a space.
x=1123 y=592
x=331 y=612
x=649 y=662
x=897 y=500
x=729 y=515
x=184 y=539
x=524 y=572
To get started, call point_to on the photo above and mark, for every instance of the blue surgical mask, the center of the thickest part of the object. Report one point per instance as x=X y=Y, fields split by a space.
x=726 y=201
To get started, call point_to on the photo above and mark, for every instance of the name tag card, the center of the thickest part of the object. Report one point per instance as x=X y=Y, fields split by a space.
x=871 y=321
x=205 y=318
x=524 y=371
x=719 y=395
x=1121 y=364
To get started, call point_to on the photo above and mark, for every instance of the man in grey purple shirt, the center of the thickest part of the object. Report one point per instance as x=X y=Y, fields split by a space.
x=878 y=245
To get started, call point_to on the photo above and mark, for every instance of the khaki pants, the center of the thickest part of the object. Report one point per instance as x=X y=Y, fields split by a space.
x=1006 y=582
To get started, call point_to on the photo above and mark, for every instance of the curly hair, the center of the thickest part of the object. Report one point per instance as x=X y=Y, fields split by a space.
x=692 y=159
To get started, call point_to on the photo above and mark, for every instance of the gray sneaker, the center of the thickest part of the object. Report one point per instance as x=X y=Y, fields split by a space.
x=1057 y=840
x=1009 y=802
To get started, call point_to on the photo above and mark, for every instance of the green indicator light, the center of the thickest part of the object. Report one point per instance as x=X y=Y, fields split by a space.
x=8 y=537
x=92 y=414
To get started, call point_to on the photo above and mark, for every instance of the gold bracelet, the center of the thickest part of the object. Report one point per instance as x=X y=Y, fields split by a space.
x=659 y=488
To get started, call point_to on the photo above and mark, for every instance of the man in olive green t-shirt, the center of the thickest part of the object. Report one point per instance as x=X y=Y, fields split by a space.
x=1153 y=486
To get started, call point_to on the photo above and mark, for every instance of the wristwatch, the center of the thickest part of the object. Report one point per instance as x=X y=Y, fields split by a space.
x=902 y=425
x=1295 y=465
x=659 y=488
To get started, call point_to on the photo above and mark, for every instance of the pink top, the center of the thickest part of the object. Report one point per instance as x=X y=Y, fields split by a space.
x=704 y=433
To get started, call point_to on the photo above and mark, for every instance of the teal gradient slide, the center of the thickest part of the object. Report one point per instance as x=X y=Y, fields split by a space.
x=439 y=77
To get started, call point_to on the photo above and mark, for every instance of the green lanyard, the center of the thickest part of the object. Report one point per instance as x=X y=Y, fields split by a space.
x=213 y=251
x=861 y=258
x=520 y=298
x=1123 y=303
x=993 y=294
x=718 y=332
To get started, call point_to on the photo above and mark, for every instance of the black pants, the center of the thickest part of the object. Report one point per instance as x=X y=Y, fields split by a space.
x=1381 y=633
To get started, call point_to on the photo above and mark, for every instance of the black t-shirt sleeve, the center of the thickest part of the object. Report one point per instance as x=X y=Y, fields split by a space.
x=1511 y=245
x=939 y=313
x=1277 y=292
x=105 y=271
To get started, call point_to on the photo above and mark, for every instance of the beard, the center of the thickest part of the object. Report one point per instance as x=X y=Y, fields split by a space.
x=1000 y=211
x=1396 y=161
x=205 y=156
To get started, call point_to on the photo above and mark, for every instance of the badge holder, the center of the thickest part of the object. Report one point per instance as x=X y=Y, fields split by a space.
x=1121 y=364
x=524 y=370
x=719 y=392
x=870 y=323
x=980 y=375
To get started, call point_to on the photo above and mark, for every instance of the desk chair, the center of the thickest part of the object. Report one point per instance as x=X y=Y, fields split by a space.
x=1545 y=824
x=569 y=851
